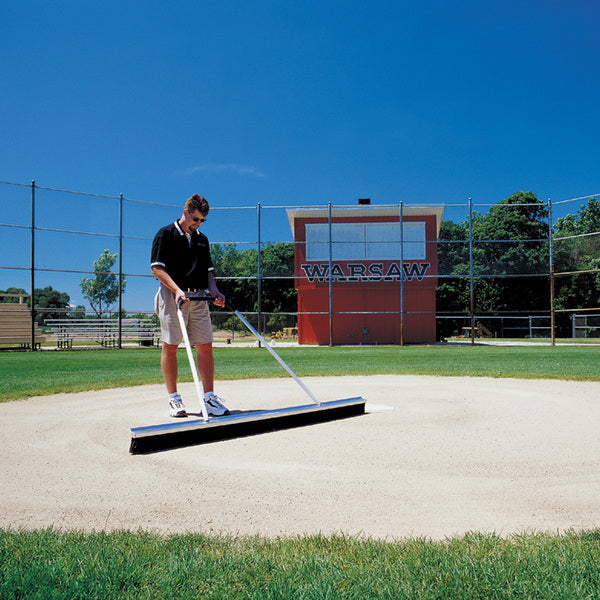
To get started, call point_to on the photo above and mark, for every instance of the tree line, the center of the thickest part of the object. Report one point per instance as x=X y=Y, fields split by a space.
x=511 y=260
x=101 y=291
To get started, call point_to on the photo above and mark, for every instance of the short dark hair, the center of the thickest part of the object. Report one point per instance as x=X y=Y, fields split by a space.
x=197 y=203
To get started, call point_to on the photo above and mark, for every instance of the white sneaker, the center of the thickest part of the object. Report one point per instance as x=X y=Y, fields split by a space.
x=215 y=406
x=176 y=407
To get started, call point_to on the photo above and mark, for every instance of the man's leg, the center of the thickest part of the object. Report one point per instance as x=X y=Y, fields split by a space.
x=168 y=365
x=206 y=366
x=206 y=369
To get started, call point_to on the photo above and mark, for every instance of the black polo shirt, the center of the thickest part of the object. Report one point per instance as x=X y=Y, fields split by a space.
x=186 y=260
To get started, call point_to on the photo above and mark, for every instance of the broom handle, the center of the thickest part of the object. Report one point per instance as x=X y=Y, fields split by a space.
x=277 y=357
x=188 y=349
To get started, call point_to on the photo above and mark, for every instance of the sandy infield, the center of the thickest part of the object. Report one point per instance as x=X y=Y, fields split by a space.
x=433 y=457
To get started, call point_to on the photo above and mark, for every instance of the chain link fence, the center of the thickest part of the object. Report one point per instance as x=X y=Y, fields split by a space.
x=516 y=268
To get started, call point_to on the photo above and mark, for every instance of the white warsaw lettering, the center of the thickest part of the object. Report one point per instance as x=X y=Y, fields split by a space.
x=365 y=272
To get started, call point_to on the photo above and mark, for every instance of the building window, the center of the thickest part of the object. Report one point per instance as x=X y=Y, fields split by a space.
x=368 y=241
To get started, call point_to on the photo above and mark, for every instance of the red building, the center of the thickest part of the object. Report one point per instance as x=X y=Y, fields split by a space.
x=364 y=279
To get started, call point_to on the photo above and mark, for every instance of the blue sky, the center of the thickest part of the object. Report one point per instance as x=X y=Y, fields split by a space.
x=291 y=103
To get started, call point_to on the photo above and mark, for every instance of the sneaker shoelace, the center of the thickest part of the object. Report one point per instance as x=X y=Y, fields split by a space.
x=215 y=401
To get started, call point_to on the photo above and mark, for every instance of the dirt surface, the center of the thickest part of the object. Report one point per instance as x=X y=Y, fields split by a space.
x=433 y=457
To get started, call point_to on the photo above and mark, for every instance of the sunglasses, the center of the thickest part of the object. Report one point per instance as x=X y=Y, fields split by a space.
x=196 y=219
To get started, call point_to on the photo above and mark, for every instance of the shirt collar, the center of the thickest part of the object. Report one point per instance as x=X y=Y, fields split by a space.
x=178 y=227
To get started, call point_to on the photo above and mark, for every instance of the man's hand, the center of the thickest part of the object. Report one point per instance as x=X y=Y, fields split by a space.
x=214 y=290
x=219 y=299
x=180 y=297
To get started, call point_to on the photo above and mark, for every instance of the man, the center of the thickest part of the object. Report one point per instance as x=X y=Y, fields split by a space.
x=181 y=262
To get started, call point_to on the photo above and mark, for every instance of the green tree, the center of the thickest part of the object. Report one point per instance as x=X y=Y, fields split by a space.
x=50 y=304
x=102 y=290
x=278 y=292
x=510 y=259
x=232 y=273
x=511 y=253
x=512 y=237
x=453 y=267
x=577 y=258
x=237 y=272
x=13 y=291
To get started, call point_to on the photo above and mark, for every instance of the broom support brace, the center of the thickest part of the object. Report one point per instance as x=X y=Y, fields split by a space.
x=277 y=357
x=199 y=296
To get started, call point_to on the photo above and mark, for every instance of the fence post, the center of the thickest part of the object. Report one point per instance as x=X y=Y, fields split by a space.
x=32 y=281
x=120 y=283
x=471 y=274
x=401 y=273
x=551 y=273
x=258 y=272
x=330 y=228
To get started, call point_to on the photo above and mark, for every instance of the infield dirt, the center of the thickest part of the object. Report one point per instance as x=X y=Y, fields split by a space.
x=433 y=457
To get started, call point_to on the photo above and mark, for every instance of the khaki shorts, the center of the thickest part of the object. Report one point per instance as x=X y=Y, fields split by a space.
x=195 y=314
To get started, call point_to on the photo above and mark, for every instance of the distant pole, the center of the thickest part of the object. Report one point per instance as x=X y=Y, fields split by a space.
x=551 y=273
x=401 y=273
x=330 y=224
x=32 y=274
x=120 y=288
x=258 y=269
x=471 y=274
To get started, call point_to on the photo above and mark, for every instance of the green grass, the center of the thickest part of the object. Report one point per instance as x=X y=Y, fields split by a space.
x=25 y=374
x=53 y=565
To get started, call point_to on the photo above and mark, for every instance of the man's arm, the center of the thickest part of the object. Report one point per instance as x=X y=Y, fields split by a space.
x=214 y=290
x=168 y=282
